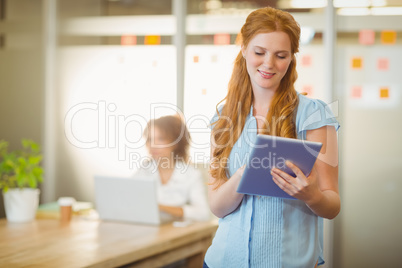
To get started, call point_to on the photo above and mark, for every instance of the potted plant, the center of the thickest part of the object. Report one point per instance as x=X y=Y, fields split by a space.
x=20 y=174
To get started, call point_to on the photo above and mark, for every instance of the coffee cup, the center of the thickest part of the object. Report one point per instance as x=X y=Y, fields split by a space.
x=66 y=208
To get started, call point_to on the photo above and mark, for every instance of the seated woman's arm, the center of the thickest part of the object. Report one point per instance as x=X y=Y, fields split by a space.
x=174 y=211
x=197 y=207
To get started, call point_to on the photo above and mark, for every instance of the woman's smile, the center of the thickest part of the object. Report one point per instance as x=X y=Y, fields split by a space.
x=266 y=75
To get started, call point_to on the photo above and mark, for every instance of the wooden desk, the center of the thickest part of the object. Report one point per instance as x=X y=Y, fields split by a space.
x=83 y=243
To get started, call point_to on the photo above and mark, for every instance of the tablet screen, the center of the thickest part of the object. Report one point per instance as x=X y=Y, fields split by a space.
x=271 y=151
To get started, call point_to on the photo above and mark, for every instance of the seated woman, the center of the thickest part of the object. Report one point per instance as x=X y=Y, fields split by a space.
x=181 y=189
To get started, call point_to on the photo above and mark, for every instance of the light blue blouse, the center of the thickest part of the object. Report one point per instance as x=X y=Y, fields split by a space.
x=268 y=231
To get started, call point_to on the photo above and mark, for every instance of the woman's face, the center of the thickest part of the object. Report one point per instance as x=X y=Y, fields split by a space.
x=159 y=146
x=268 y=56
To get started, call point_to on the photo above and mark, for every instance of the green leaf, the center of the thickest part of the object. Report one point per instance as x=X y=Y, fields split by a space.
x=37 y=171
x=34 y=160
x=35 y=147
x=9 y=163
x=22 y=161
x=32 y=181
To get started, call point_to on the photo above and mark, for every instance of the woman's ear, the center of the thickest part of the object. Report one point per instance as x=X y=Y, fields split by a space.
x=243 y=51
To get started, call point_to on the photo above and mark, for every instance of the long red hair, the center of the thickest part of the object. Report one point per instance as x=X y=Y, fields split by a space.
x=281 y=115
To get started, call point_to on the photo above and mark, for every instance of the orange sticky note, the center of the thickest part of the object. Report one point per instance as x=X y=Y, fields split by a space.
x=152 y=40
x=204 y=91
x=357 y=63
x=366 y=37
x=356 y=92
x=384 y=93
x=388 y=37
x=383 y=64
x=128 y=40
x=196 y=59
x=221 y=39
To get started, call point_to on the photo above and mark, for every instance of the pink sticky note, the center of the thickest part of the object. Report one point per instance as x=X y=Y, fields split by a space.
x=221 y=39
x=308 y=89
x=383 y=64
x=306 y=60
x=128 y=40
x=356 y=92
x=366 y=37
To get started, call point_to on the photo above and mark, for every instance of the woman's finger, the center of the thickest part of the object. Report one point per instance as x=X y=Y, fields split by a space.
x=296 y=170
x=282 y=174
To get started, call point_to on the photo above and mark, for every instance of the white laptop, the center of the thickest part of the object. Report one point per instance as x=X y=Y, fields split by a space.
x=128 y=200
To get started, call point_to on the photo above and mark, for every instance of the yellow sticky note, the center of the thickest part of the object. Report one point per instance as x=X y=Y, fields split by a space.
x=152 y=40
x=384 y=93
x=388 y=37
x=357 y=63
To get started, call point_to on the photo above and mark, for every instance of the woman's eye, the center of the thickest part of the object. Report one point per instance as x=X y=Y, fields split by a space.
x=259 y=53
x=281 y=57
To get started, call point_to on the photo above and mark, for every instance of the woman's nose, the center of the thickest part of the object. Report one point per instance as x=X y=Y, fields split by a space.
x=269 y=60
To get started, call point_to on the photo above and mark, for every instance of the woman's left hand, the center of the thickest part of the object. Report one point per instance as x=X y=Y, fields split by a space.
x=300 y=187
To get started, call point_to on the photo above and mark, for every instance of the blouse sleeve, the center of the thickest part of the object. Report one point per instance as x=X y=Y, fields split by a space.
x=313 y=114
x=197 y=208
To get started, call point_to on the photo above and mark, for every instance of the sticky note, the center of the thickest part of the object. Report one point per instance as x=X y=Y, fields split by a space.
x=152 y=40
x=356 y=92
x=204 y=91
x=383 y=64
x=128 y=40
x=308 y=89
x=221 y=39
x=357 y=63
x=214 y=58
x=306 y=60
x=366 y=37
x=196 y=59
x=384 y=93
x=388 y=37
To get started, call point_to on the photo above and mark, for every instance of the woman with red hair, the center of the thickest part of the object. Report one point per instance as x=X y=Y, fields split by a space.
x=259 y=231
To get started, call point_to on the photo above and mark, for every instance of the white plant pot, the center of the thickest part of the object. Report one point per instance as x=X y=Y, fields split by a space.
x=21 y=204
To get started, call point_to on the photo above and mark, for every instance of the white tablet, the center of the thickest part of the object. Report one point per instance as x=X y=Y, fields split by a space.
x=271 y=151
